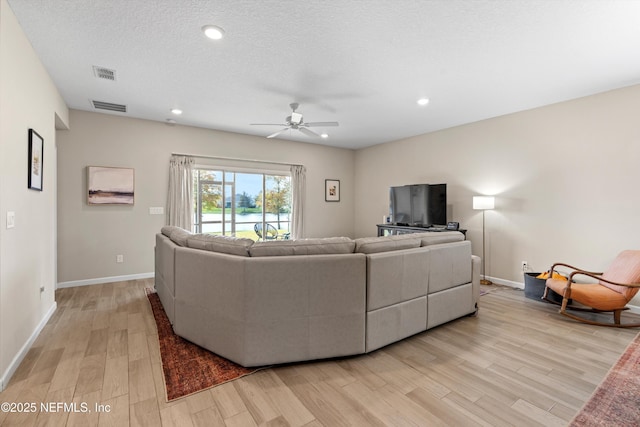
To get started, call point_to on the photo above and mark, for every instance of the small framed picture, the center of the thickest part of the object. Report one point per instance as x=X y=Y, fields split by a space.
x=36 y=151
x=331 y=190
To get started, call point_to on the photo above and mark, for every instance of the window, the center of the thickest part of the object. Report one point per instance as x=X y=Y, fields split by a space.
x=242 y=204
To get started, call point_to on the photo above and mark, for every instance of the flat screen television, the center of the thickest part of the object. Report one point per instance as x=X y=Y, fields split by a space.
x=418 y=205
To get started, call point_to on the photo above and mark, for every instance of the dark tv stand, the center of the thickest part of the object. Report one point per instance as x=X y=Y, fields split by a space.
x=391 y=229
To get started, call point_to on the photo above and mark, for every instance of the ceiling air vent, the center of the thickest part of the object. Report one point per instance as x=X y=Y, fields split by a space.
x=104 y=73
x=99 y=105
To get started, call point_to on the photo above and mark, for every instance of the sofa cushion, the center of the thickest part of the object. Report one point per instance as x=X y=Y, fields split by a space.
x=178 y=235
x=223 y=244
x=449 y=266
x=371 y=245
x=435 y=238
x=318 y=246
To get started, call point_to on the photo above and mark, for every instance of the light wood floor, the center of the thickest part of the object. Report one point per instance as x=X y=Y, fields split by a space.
x=517 y=363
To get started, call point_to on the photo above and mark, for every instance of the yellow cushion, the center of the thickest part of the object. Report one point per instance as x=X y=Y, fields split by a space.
x=555 y=275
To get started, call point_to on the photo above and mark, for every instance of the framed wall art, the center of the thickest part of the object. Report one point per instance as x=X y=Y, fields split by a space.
x=110 y=185
x=331 y=190
x=36 y=152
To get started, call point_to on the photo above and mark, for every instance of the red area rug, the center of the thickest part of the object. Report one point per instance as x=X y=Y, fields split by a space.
x=187 y=367
x=616 y=401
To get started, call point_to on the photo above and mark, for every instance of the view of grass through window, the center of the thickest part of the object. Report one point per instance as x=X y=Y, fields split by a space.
x=241 y=204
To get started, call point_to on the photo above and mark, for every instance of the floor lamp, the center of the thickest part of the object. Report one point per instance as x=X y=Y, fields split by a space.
x=483 y=203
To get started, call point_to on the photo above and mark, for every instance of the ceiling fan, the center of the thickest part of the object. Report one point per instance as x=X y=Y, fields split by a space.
x=295 y=121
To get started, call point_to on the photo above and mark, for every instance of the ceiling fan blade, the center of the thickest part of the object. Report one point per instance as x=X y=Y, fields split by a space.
x=267 y=124
x=322 y=124
x=308 y=132
x=273 y=135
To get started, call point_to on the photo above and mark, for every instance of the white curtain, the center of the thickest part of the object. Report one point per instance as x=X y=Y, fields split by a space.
x=180 y=197
x=298 y=186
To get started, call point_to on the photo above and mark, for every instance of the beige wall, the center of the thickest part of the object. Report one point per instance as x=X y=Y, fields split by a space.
x=547 y=167
x=565 y=178
x=90 y=237
x=28 y=99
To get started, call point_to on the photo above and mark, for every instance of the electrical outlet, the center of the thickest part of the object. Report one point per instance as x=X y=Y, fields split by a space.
x=525 y=266
x=119 y=258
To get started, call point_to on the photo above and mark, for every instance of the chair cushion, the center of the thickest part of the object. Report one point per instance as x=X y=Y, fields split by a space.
x=371 y=245
x=223 y=244
x=178 y=235
x=436 y=238
x=624 y=269
x=590 y=294
x=317 y=246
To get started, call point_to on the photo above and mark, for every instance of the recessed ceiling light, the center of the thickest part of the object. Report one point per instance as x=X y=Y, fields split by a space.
x=324 y=135
x=176 y=111
x=213 y=32
x=171 y=122
x=423 y=101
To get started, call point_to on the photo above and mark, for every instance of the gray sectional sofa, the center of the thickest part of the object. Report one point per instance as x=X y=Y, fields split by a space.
x=264 y=303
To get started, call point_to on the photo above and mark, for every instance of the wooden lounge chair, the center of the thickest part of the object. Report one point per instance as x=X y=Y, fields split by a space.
x=614 y=289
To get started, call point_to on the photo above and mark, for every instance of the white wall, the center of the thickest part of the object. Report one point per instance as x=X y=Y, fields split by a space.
x=565 y=177
x=28 y=99
x=90 y=237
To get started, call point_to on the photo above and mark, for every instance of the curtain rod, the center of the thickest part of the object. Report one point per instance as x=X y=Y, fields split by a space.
x=236 y=159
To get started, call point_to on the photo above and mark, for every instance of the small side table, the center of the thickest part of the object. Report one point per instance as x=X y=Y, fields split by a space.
x=391 y=229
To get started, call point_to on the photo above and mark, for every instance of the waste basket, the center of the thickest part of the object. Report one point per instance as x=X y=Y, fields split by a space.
x=534 y=288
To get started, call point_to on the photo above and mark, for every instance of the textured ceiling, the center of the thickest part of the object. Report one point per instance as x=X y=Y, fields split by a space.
x=361 y=63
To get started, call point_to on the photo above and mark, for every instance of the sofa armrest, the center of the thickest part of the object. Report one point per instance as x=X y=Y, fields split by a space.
x=164 y=256
x=476 y=265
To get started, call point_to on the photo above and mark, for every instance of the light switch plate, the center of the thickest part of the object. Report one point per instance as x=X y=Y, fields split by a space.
x=158 y=210
x=11 y=219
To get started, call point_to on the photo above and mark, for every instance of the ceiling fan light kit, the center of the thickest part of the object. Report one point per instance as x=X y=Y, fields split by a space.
x=295 y=118
x=296 y=121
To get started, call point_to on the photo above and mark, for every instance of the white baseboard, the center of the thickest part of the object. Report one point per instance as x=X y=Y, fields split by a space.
x=101 y=280
x=504 y=282
x=632 y=308
x=6 y=375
